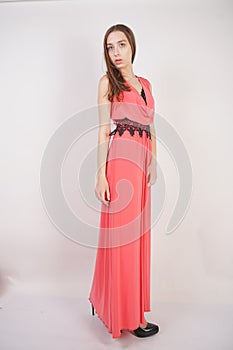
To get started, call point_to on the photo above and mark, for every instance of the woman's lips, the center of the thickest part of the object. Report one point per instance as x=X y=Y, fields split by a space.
x=118 y=60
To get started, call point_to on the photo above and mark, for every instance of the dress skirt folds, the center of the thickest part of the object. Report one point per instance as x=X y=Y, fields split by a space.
x=120 y=291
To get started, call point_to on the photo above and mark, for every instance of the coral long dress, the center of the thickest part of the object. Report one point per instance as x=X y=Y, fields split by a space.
x=120 y=291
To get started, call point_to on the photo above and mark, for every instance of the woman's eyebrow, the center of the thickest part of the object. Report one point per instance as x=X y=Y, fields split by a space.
x=117 y=41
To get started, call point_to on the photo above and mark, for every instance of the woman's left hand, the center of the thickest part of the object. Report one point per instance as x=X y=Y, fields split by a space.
x=152 y=173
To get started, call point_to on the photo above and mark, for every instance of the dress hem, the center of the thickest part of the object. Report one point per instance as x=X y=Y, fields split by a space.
x=109 y=330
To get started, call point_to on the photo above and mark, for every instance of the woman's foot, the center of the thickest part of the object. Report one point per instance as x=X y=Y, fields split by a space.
x=146 y=329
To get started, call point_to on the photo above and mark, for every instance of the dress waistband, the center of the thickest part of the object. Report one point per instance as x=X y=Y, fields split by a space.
x=131 y=126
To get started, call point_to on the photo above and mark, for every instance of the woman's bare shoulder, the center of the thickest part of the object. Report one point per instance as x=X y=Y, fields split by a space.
x=104 y=80
x=103 y=88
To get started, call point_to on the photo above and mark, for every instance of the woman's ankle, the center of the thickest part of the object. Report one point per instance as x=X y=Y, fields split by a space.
x=143 y=325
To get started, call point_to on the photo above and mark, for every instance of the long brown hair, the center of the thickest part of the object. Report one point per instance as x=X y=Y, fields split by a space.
x=116 y=80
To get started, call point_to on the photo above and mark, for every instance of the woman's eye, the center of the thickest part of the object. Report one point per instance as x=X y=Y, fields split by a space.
x=111 y=47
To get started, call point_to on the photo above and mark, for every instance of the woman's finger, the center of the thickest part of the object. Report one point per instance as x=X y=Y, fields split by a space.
x=104 y=200
x=108 y=194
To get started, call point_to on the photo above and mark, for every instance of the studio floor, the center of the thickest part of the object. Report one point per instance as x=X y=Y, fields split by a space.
x=43 y=323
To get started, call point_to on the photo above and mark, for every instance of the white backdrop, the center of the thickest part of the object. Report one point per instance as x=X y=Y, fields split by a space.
x=50 y=63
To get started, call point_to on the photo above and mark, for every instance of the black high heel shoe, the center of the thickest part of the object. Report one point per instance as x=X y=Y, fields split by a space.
x=93 y=310
x=149 y=330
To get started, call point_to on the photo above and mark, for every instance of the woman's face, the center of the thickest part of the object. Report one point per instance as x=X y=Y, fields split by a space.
x=119 y=49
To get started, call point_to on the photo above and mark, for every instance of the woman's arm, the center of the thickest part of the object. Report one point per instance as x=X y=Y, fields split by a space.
x=153 y=136
x=104 y=106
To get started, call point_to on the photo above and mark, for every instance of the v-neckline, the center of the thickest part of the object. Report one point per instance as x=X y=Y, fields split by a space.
x=142 y=87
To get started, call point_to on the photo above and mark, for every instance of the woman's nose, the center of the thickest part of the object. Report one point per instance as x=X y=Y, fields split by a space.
x=116 y=51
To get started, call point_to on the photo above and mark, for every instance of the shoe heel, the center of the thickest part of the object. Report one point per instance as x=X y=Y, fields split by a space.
x=93 y=310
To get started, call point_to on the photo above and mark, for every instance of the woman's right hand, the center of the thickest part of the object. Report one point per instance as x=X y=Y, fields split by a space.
x=101 y=189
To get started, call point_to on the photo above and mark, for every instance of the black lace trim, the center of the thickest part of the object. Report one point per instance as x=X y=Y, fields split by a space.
x=131 y=126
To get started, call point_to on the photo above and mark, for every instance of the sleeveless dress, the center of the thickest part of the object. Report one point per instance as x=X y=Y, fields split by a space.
x=120 y=291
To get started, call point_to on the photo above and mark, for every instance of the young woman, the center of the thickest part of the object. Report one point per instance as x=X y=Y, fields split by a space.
x=120 y=291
